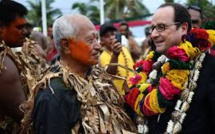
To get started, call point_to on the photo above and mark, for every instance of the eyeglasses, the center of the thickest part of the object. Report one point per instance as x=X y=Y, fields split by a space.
x=161 y=27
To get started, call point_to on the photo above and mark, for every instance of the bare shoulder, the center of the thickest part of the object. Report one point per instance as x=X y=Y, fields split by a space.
x=11 y=92
x=10 y=81
x=10 y=74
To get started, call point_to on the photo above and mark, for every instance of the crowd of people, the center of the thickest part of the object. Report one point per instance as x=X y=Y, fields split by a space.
x=80 y=80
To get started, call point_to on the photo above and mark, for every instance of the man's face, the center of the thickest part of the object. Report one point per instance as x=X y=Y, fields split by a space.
x=196 y=18
x=123 y=30
x=85 y=49
x=167 y=34
x=50 y=34
x=14 y=33
x=107 y=39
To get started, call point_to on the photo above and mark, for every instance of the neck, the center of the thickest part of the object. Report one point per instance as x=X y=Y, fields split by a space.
x=74 y=67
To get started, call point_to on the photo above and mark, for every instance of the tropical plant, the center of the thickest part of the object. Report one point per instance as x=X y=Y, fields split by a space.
x=89 y=10
x=171 y=1
x=35 y=13
x=114 y=9
x=122 y=9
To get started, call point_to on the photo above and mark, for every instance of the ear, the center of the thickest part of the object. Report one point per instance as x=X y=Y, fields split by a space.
x=64 y=43
x=184 y=28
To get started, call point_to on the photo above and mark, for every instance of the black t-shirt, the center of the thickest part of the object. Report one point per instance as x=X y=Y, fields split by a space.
x=56 y=113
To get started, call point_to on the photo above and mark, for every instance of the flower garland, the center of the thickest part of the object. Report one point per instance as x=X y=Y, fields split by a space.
x=150 y=93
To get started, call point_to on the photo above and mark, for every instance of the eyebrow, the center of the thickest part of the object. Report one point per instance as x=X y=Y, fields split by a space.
x=94 y=34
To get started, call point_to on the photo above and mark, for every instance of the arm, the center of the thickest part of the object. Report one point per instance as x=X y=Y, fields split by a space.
x=134 y=48
x=11 y=92
x=45 y=43
x=40 y=51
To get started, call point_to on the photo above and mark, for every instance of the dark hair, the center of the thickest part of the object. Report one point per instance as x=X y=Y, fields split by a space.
x=147 y=33
x=29 y=25
x=50 y=26
x=9 y=10
x=105 y=28
x=124 y=23
x=181 y=14
x=196 y=8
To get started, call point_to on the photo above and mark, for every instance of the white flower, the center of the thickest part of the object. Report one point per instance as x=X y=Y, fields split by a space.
x=140 y=128
x=202 y=57
x=170 y=126
x=196 y=75
x=162 y=59
x=182 y=117
x=153 y=74
x=190 y=97
x=178 y=105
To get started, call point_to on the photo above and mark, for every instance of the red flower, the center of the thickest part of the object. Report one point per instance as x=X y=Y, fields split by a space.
x=199 y=38
x=131 y=97
x=204 y=45
x=199 y=33
x=147 y=66
x=167 y=89
x=137 y=64
x=177 y=53
x=134 y=80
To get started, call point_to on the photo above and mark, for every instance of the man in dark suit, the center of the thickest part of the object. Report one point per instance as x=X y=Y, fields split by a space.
x=173 y=102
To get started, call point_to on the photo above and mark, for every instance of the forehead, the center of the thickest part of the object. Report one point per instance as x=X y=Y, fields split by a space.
x=122 y=27
x=19 y=21
x=87 y=32
x=163 y=15
x=109 y=32
x=194 y=13
x=86 y=28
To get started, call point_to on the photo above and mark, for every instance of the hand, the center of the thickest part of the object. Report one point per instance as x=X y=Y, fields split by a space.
x=116 y=47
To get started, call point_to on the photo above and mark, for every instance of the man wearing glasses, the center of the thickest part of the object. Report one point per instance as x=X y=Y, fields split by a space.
x=196 y=15
x=165 y=94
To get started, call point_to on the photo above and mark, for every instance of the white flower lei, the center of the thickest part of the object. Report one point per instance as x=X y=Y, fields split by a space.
x=183 y=104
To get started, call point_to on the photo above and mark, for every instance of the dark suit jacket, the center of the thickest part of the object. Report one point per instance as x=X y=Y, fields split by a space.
x=200 y=117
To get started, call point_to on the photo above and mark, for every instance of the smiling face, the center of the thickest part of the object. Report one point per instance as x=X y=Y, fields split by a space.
x=14 y=33
x=171 y=35
x=85 y=49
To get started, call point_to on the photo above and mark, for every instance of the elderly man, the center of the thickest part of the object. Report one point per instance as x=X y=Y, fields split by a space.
x=73 y=97
x=175 y=87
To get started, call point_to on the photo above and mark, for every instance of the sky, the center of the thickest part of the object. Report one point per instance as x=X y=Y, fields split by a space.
x=65 y=5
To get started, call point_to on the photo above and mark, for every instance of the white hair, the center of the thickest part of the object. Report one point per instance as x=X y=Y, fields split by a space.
x=63 y=27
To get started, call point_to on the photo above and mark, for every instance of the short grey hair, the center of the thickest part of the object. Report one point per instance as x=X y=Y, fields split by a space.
x=64 y=28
